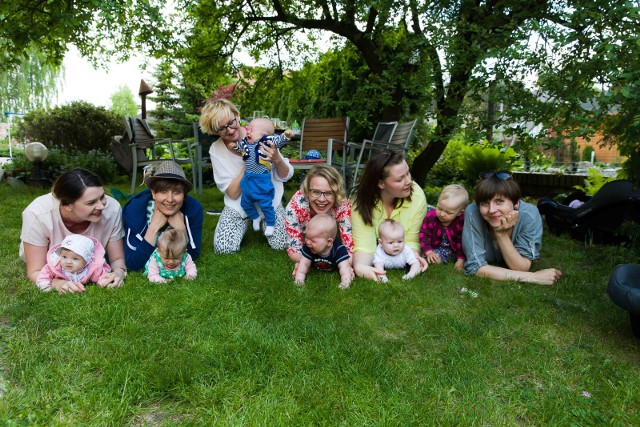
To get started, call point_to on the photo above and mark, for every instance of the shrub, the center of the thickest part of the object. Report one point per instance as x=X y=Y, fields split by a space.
x=586 y=153
x=59 y=161
x=78 y=125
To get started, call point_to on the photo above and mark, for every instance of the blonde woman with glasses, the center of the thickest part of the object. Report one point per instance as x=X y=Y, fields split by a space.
x=502 y=234
x=221 y=117
x=321 y=192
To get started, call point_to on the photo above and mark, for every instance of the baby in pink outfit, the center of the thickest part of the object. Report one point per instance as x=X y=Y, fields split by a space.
x=78 y=259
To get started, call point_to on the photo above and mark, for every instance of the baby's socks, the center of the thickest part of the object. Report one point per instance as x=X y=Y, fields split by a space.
x=256 y=224
x=268 y=230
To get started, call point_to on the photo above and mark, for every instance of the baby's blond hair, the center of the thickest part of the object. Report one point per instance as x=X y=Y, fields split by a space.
x=324 y=222
x=387 y=226
x=457 y=192
x=172 y=243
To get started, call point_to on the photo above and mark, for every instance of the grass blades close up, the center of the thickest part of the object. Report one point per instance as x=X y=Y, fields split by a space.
x=243 y=345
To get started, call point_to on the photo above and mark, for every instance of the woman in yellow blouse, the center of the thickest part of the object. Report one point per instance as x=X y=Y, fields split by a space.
x=385 y=190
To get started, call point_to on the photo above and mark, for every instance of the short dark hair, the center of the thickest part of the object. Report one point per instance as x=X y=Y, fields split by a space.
x=70 y=185
x=486 y=189
x=158 y=185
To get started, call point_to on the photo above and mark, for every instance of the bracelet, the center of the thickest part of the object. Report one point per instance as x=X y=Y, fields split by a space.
x=124 y=271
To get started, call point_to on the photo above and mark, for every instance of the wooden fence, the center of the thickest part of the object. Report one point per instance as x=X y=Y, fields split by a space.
x=536 y=184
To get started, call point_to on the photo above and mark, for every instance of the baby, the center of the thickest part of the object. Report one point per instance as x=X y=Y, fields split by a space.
x=78 y=258
x=441 y=232
x=324 y=251
x=256 y=183
x=170 y=259
x=392 y=252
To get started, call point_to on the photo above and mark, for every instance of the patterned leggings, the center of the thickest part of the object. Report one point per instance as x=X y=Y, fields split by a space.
x=232 y=227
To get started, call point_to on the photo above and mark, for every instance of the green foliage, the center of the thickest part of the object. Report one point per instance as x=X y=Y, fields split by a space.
x=478 y=158
x=176 y=103
x=31 y=84
x=586 y=153
x=595 y=180
x=77 y=125
x=60 y=160
x=97 y=28
x=123 y=103
x=447 y=170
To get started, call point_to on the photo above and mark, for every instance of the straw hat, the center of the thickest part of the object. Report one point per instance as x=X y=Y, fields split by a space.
x=168 y=170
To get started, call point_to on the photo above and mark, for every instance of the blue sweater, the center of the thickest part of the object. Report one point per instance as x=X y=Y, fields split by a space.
x=134 y=217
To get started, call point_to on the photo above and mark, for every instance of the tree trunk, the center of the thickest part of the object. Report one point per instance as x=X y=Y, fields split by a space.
x=426 y=159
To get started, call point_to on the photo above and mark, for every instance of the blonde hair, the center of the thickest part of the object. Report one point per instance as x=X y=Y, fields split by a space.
x=387 y=226
x=332 y=176
x=324 y=222
x=172 y=243
x=213 y=112
x=263 y=125
x=457 y=192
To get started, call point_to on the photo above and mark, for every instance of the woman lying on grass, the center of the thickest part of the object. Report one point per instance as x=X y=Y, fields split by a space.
x=76 y=205
x=499 y=228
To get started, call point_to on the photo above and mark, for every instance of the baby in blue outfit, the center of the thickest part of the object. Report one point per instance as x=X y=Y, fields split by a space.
x=256 y=185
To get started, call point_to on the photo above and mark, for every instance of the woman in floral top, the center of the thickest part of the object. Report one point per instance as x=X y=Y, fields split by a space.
x=322 y=191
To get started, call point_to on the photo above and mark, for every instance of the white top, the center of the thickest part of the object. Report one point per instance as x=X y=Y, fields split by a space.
x=42 y=224
x=227 y=165
x=407 y=256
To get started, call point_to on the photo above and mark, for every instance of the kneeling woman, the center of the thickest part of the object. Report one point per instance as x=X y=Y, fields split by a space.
x=164 y=205
x=499 y=228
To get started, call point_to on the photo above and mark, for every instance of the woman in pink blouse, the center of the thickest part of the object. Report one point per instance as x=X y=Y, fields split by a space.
x=322 y=191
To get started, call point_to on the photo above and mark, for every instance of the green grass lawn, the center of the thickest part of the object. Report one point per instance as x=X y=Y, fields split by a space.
x=243 y=345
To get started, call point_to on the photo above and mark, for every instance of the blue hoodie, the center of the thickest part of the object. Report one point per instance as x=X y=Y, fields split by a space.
x=134 y=216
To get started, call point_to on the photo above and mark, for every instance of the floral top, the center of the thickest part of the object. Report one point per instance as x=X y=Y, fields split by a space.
x=298 y=213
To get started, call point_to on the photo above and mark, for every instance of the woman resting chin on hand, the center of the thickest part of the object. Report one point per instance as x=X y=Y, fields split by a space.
x=499 y=228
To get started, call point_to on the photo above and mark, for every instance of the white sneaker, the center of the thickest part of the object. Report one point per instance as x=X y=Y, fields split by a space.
x=256 y=224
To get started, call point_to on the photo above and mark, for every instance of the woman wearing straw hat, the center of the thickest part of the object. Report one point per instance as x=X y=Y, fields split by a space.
x=164 y=204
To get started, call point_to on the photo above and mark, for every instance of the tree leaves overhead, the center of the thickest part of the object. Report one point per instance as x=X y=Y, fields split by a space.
x=98 y=28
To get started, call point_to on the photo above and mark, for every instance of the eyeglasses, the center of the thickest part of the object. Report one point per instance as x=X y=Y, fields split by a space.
x=315 y=194
x=503 y=175
x=233 y=124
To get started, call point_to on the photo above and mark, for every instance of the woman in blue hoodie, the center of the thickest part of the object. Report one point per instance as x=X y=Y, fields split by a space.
x=165 y=204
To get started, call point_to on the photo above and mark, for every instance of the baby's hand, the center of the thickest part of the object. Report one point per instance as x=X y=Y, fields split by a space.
x=289 y=133
x=383 y=278
x=344 y=285
x=433 y=257
x=410 y=275
x=459 y=264
x=299 y=281
x=190 y=276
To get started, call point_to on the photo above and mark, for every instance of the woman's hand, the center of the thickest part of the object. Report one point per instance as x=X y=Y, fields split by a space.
x=67 y=286
x=176 y=221
x=272 y=154
x=368 y=272
x=158 y=220
x=508 y=221
x=423 y=262
x=548 y=276
x=115 y=279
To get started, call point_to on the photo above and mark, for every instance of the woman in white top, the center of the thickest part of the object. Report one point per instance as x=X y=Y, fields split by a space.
x=77 y=204
x=221 y=117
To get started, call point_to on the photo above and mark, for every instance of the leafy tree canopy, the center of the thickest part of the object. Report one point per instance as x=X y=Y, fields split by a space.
x=443 y=55
x=99 y=29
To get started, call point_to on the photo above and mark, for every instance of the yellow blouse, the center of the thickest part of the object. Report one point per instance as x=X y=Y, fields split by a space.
x=410 y=214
